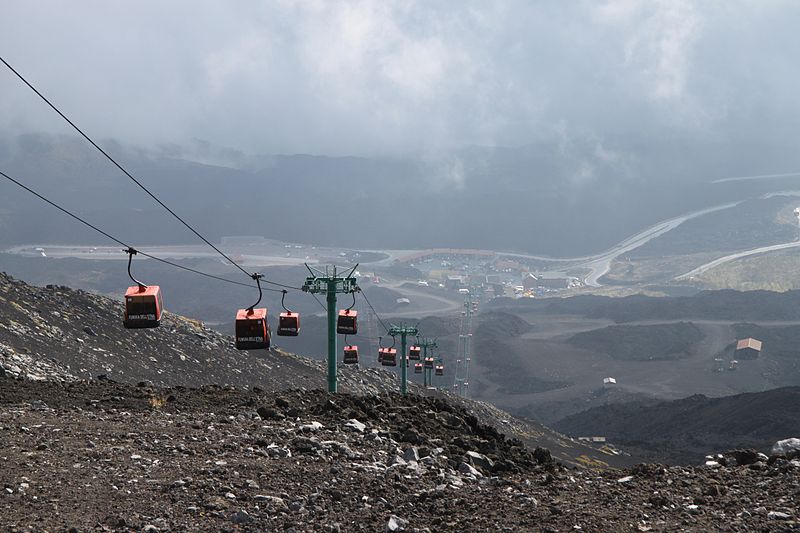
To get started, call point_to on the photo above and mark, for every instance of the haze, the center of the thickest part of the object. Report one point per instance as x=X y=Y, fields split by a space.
x=356 y=78
x=589 y=119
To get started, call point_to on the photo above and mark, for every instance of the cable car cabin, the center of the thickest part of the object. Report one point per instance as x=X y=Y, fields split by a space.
x=429 y=362
x=413 y=353
x=418 y=368
x=350 y=355
x=389 y=357
x=439 y=370
x=347 y=324
x=143 y=306
x=252 y=331
x=288 y=324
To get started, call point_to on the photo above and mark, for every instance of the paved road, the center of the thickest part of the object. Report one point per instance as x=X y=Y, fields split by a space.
x=732 y=257
x=600 y=264
x=172 y=252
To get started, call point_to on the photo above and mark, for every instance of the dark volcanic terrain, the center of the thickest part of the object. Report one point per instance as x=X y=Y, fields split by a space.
x=56 y=333
x=681 y=431
x=172 y=429
x=97 y=455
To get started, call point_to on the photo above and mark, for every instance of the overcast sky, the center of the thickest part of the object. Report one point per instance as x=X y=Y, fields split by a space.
x=383 y=77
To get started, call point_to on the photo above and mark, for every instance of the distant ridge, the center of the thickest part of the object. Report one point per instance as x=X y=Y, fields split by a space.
x=683 y=431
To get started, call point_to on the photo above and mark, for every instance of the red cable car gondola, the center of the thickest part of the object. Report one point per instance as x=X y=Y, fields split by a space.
x=288 y=322
x=439 y=370
x=143 y=303
x=389 y=357
x=414 y=353
x=347 y=323
x=429 y=362
x=350 y=355
x=418 y=368
x=252 y=330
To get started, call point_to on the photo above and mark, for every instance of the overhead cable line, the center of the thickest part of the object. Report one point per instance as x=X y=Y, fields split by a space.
x=373 y=311
x=82 y=221
x=137 y=182
x=113 y=161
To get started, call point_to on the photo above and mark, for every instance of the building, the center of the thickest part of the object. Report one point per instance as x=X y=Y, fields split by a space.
x=454 y=282
x=609 y=382
x=548 y=280
x=748 y=348
x=529 y=282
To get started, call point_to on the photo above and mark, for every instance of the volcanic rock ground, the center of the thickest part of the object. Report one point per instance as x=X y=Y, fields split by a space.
x=97 y=435
x=57 y=333
x=97 y=455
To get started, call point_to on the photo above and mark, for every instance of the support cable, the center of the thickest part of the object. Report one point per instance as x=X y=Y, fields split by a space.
x=121 y=243
x=374 y=312
x=137 y=182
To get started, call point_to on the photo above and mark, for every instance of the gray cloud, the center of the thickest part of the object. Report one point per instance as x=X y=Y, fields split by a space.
x=385 y=77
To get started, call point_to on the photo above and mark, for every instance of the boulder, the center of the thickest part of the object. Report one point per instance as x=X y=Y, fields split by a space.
x=790 y=448
x=396 y=523
x=741 y=457
x=480 y=461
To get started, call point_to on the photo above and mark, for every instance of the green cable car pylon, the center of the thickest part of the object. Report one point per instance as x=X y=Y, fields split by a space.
x=404 y=332
x=427 y=370
x=331 y=284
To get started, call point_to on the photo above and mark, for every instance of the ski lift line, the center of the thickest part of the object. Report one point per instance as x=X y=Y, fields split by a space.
x=121 y=243
x=114 y=162
x=382 y=323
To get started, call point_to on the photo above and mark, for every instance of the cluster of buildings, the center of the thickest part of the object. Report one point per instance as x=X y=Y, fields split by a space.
x=459 y=269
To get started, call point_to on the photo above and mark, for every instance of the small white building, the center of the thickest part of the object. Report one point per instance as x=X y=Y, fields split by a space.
x=609 y=382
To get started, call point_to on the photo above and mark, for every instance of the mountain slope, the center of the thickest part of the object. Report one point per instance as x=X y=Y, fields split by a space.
x=683 y=431
x=58 y=333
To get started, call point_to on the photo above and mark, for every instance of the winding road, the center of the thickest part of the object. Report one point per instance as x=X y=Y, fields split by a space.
x=732 y=257
x=600 y=264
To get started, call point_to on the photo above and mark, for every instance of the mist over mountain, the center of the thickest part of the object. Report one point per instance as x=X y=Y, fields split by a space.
x=550 y=127
x=520 y=199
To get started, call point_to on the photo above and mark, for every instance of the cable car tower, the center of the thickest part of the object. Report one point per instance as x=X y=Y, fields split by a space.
x=461 y=383
x=427 y=365
x=404 y=332
x=331 y=283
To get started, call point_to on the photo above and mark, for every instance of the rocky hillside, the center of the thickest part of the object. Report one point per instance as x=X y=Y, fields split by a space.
x=104 y=456
x=56 y=333
x=683 y=431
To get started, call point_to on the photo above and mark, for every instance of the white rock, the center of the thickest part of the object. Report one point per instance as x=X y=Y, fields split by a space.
x=311 y=428
x=396 y=524
x=355 y=425
x=469 y=470
x=777 y=515
x=625 y=479
x=786 y=446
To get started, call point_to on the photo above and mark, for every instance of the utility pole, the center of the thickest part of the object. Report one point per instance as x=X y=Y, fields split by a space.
x=331 y=284
x=403 y=331
x=426 y=376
